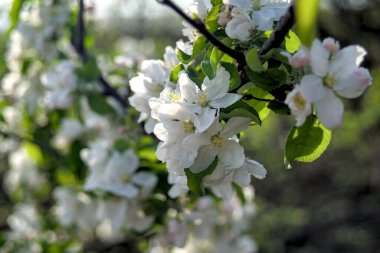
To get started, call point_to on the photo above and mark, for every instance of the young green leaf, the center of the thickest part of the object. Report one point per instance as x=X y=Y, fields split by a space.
x=240 y=109
x=292 y=42
x=183 y=57
x=195 y=180
x=307 y=142
x=253 y=60
x=212 y=18
x=99 y=104
x=175 y=72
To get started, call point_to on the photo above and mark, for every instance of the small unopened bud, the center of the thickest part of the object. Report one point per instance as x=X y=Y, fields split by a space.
x=332 y=45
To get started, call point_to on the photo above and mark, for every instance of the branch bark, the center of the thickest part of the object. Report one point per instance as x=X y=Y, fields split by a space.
x=78 y=43
x=197 y=24
x=282 y=29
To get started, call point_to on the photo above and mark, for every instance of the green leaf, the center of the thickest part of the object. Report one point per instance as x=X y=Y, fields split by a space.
x=278 y=107
x=199 y=45
x=90 y=71
x=240 y=109
x=216 y=2
x=183 y=57
x=234 y=74
x=306 y=17
x=307 y=142
x=195 y=180
x=14 y=14
x=253 y=60
x=34 y=152
x=268 y=80
x=207 y=68
x=292 y=42
x=212 y=18
x=99 y=104
x=175 y=72
x=260 y=106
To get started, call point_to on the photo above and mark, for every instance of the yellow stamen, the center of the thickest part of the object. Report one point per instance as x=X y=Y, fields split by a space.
x=188 y=127
x=329 y=81
x=299 y=101
x=202 y=99
x=217 y=141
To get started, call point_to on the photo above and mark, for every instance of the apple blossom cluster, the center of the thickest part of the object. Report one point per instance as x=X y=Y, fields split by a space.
x=240 y=18
x=208 y=227
x=185 y=118
x=334 y=73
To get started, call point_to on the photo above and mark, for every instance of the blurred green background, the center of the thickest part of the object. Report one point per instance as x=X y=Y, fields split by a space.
x=331 y=205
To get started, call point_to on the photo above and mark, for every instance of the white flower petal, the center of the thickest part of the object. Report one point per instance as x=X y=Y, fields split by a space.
x=217 y=87
x=319 y=59
x=206 y=118
x=206 y=156
x=188 y=88
x=232 y=155
x=225 y=101
x=354 y=84
x=312 y=88
x=255 y=168
x=330 y=110
x=234 y=126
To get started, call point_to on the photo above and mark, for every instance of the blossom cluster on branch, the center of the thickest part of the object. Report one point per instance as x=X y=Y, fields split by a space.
x=82 y=162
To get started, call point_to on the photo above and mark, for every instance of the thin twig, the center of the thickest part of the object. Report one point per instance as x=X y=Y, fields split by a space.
x=278 y=35
x=239 y=57
x=80 y=48
x=250 y=97
x=42 y=146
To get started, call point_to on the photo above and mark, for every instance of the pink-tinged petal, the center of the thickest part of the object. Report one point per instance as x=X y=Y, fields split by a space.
x=354 y=84
x=232 y=154
x=234 y=126
x=312 y=88
x=332 y=45
x=319 y=59
x=225 y=101
x=349 y=55
x=330 y=110
x=188 y=88
x=242 y=4
x=217 y=87
x=301 y=59
x=206 y=156
x=239 y=28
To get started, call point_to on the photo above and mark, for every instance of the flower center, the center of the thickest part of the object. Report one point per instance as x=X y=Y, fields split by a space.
x=217 y=141
x=256 y=4
x=188 y=127
x=202 y=99
x=157 y=88
x=299 y=101
x=172 y=97
x=329 y=81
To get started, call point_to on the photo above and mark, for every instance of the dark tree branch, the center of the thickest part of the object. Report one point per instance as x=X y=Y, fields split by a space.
x=41 y=145
x=239 y=57
x=282 y=29
x=78 y=43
